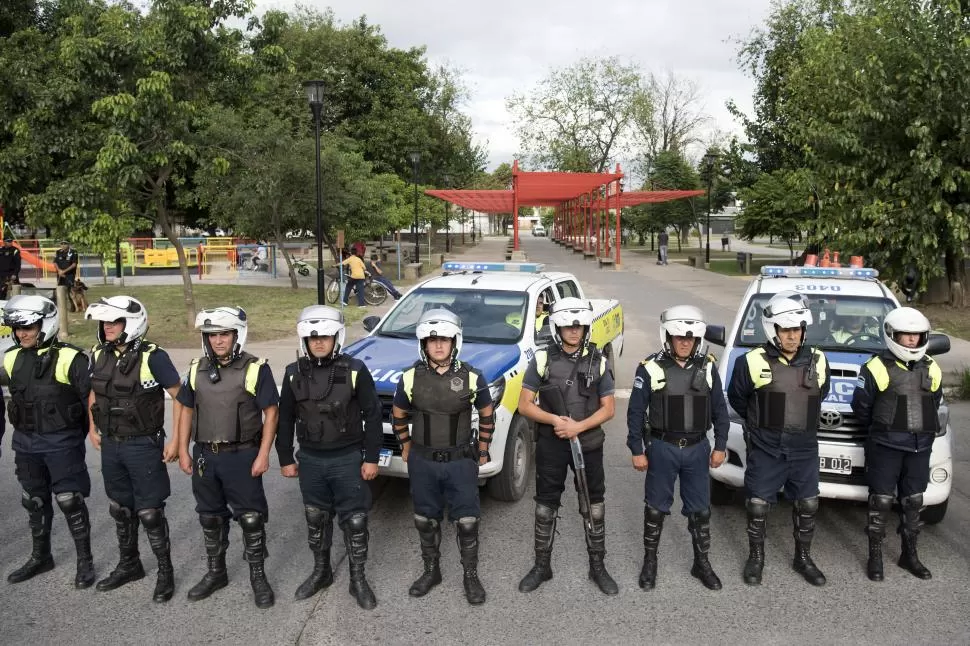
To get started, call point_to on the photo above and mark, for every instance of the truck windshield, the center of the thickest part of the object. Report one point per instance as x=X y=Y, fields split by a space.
x=839 y=323
x=486 y=316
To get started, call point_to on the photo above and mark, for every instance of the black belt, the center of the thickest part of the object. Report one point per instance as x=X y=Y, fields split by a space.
x=443 y=455
x=679 y=440
x=125 y=438
x=228 y=447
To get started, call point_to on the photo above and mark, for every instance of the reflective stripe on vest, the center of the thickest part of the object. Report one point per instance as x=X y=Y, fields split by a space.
x=680 y=397
x=905 y=399
x=787 y=399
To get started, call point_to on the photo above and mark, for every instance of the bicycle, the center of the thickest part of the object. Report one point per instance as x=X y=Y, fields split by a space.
x=374 y=292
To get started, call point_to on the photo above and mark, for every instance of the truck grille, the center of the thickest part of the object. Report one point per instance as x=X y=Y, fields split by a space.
x=842 y=428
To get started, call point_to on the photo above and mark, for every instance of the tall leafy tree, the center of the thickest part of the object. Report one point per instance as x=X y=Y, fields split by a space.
x=780 y=204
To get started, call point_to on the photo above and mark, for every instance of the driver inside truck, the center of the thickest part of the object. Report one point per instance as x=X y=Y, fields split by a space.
x=855 y=325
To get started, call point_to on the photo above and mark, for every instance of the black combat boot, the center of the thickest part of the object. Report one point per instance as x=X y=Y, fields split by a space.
x=254 y=551
x=596 y=546
x=803 y=517
x=215 y=531
x=429 y=531
x=40 y=516
x=699 y=526
x=545 y=532
x=468 y=548
x=78 y=521
x=319 y=524
x=156 y=527
x=356 y=537
x=129 y=566
x=879 y=507
x=908 y=530
x=757 y=528
x=653 y=525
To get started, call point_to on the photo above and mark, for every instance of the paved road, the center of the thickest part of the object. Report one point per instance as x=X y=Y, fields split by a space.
x=567 y=610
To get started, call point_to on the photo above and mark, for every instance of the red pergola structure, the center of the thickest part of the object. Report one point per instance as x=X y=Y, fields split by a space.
x=587 y=205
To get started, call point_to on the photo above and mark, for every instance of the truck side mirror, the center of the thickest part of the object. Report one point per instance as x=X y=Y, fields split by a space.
x=715 y=334
x=938 y=344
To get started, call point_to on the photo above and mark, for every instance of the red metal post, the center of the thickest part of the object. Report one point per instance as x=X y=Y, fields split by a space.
x=515 y=205
x=619 y=189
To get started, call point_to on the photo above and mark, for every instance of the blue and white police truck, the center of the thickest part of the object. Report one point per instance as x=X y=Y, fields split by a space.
x=499 y=305
x=848 y=307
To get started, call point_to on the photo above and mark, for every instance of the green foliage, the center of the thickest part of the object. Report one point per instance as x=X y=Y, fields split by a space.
x=670 y=171
x=779 y=204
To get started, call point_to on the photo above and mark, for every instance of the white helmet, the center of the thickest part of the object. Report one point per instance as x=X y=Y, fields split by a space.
x=439 y=323
x=906 y=319
x=223 y=319
x=785 y=310
x=321 y=320
x=683 y=320
x=24 y=310
x=114 y=308
x=567 y=313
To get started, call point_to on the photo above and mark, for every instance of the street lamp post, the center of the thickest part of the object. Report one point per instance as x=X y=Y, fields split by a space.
x=709 y=160
x=446 y=180
x=415 y=157
x=314 y=92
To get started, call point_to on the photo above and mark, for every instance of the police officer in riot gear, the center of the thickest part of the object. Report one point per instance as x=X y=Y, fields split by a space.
x=235 y=401
x=896 y=398
x=331 y=402
x=129 y=378
x=10 y=261
x=778 y=389
x=49 y=387
x=585 y=382
x=437 y=394
x=676 y=398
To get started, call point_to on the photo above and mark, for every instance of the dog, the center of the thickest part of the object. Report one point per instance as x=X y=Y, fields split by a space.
x=79 y=302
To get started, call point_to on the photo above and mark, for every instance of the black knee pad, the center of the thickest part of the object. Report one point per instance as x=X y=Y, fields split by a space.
x=704 y=515
x=880 y=502
x=597 y=511
x=807 y=505
x=211 y=522
x=467 y=523
x=425 y=524
x=152 y=517
x=118 y=512
x=32 y=504
x=70 y=501
x=757 y=507
x=914 y=501
x=251 y=521
x=315 y=515
x=653 y=514
x=546 y=513
x=357 y=522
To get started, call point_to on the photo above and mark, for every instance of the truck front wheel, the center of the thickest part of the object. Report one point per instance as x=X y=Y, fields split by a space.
x=513 y=480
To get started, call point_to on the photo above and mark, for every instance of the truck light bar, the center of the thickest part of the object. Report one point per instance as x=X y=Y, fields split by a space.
x=819 y=272
x=520 y=267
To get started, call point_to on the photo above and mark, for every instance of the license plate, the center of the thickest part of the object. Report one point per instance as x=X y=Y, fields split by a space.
x=835 y=465
x=385 y=458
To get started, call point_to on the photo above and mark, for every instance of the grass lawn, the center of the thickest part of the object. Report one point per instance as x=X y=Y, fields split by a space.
x=272 y=311
x=731 y=267
x=951 y=320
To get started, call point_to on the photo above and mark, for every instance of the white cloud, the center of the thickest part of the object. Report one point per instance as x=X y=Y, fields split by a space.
x=507 y=46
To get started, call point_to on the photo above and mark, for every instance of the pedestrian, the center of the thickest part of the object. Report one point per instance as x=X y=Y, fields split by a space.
x=65 y=261
x=374 y=267
x=360 y=248
x=437 y=394
x=662 y=241
x=584 y=380
x=330 y=400
x=725 y=242
x=49 y=387
x=676 y=398
x=235 y=403
x=896 y=398
x=777 y=389
x=129 y=379
x=355 y=278
x=9 y=267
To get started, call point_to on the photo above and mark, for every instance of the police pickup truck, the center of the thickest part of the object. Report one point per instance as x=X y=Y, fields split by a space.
x=848 y=306
x=499 y=305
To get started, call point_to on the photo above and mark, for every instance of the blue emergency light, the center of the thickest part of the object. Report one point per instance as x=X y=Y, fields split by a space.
x=520 y=267
x=819 y=272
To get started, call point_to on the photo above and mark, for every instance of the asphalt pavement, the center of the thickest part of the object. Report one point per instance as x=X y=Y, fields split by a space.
x=566 y=610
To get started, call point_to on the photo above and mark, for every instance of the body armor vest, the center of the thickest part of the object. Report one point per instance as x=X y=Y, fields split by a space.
x=127 y=399
x=441 y=407
x=581 y=400
x=41 y=398
x=682 y=403
x=907 y=403
x=326 y=404
x=791 y=401
x=225 y=411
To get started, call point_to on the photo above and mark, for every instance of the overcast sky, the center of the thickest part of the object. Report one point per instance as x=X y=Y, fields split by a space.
x=507 y=46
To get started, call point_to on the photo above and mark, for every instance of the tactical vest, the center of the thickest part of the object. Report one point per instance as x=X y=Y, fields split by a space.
x=905 y=399
x=226 y=411
x=570 y=377
x=326 y=403
x=441 y=408
x=127 y=402
x=680 y=398
x=787 y=399
x=42 y=399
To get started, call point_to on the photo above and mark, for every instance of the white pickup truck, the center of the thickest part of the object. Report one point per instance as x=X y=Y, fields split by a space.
x=497 y=304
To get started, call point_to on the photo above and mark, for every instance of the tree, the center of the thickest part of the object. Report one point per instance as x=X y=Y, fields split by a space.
x=673 y=121
x=779 y=204
x=580 y=118
x=671 y=171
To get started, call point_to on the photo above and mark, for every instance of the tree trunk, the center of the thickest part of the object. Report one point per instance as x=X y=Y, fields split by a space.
x=956 y=275
x=278 y=238
x=168 y=228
